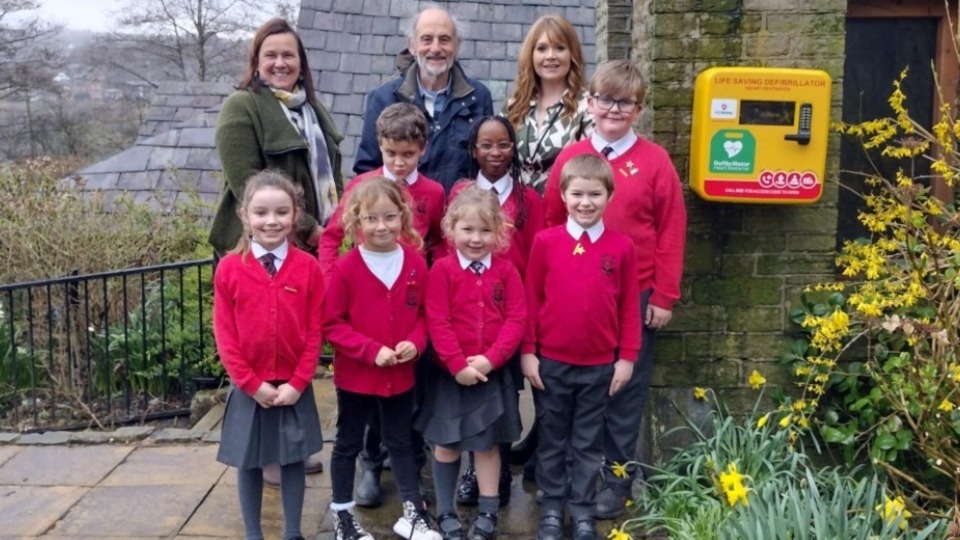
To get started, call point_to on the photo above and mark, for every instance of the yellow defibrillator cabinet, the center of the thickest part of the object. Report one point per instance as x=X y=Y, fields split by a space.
x=759 y=135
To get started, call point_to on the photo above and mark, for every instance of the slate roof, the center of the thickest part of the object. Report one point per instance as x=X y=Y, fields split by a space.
x=175 y=147
x=351 y=45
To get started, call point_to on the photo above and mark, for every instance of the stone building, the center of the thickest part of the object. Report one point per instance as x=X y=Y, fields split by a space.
x=745 y=264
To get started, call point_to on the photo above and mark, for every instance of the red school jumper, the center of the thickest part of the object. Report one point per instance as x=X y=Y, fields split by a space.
x=360 y=315
x=582 y=298
x=426 y=199
x=268 y=329
x=469 y=314
x=520 y=240
x=647 y=206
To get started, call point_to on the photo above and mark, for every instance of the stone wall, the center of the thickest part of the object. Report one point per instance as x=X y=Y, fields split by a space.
x=745 y=264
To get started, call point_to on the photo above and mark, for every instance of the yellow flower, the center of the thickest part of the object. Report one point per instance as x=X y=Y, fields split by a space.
x=620 y=471
x=619 y=534
x=700 y=393
x=757 y=380
x=731 y=481
x=946 y=406
x=785 y=421
x=894 y=510
x=762 y=421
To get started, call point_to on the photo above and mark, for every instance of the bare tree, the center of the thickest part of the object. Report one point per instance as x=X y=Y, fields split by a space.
x=189 y=40
x=28 y=63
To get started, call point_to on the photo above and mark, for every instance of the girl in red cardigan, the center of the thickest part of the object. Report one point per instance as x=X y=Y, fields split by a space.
x=373 y=316
x=267 y=319
x=496 y=166
x=475 y=317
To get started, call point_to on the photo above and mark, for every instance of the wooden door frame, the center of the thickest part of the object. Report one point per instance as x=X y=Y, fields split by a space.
x=946 y=62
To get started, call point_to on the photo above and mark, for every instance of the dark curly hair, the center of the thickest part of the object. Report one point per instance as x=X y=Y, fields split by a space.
x=515 y=165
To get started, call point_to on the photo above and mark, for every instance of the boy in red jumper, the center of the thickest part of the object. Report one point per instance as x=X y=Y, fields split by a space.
x=648 y=208
x=584 y=320
x=402 y=133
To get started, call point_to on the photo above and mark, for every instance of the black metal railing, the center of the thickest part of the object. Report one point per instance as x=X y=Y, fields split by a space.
x=105 y=349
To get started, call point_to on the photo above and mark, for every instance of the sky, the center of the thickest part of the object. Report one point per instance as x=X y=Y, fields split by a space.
x=96 y=15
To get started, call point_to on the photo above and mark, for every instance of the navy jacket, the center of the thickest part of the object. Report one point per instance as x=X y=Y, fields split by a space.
x=447 y=157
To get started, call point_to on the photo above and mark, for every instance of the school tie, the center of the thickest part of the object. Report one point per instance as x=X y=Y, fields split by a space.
x=607 y=150
x=477 y=267
x=267 y=260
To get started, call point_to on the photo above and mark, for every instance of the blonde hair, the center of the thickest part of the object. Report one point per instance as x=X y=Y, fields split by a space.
x=589 y=166
x=487 y=207
x=365 y=195
x=527 y=85
x=617 y=79
x=268 y=179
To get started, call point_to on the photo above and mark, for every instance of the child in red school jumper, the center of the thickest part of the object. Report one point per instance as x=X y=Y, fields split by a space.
x=584 y=323
x=476 y=313
x=649 y=208
x=402 y=133
x=496 y=166
x=373 y=316
x=267 y=321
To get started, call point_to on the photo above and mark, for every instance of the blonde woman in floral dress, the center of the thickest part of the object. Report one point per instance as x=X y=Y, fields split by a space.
x=548 y=107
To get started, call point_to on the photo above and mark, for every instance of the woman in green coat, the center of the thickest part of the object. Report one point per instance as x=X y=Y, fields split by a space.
x=274 y=121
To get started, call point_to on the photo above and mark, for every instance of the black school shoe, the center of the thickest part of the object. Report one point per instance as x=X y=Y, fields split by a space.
x=551 y=525
x=484 y=527
x=449 y=526
x=583 y=528
x=468 y=492
x=611 y=500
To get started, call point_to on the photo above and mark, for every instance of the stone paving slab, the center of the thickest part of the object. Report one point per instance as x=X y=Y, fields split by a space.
x=7 y=452
x=31 y=510
x=320 y=480
x=168 y=465
x=62 y=465
x=132 y=511
x=219 y=515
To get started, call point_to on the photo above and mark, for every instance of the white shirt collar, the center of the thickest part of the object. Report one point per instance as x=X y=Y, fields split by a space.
x=619 y=146
x=280 y=252
x=465 y=262
x=576 y=231
x=504 y=186
x=410 y=179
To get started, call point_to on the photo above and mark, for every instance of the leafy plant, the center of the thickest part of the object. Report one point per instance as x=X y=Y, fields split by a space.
x=744 y=478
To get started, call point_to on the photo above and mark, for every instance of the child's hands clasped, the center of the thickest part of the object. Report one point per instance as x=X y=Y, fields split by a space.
x=622 y=371
x=266 y=395
x=287 y=395
x=406 y=351
x=530 y=366
x=386 y=357
x=470 y=376
x=481 y=363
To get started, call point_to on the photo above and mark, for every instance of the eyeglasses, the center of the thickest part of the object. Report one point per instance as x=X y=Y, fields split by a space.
x=387 y=219
x=623 y=105
x=488 y=147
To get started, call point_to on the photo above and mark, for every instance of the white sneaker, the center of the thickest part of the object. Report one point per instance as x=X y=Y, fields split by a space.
x=347 y=527
x=414 y=524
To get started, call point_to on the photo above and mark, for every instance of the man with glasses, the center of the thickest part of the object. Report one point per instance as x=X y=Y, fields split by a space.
x=436 y=84
x=649 y=208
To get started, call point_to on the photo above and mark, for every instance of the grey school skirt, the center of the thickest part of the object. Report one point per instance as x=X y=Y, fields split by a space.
x=476 y=417
x=253 y=436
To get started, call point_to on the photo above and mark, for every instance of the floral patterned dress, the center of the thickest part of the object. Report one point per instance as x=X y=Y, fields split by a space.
x=539 y=145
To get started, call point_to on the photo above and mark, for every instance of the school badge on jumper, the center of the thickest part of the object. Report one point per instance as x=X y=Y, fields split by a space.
x=631 y=169
x=578 y=249
x=498 y=294
x=606 y=265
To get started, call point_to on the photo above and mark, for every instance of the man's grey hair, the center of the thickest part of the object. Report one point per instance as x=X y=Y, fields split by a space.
x=412 y=27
